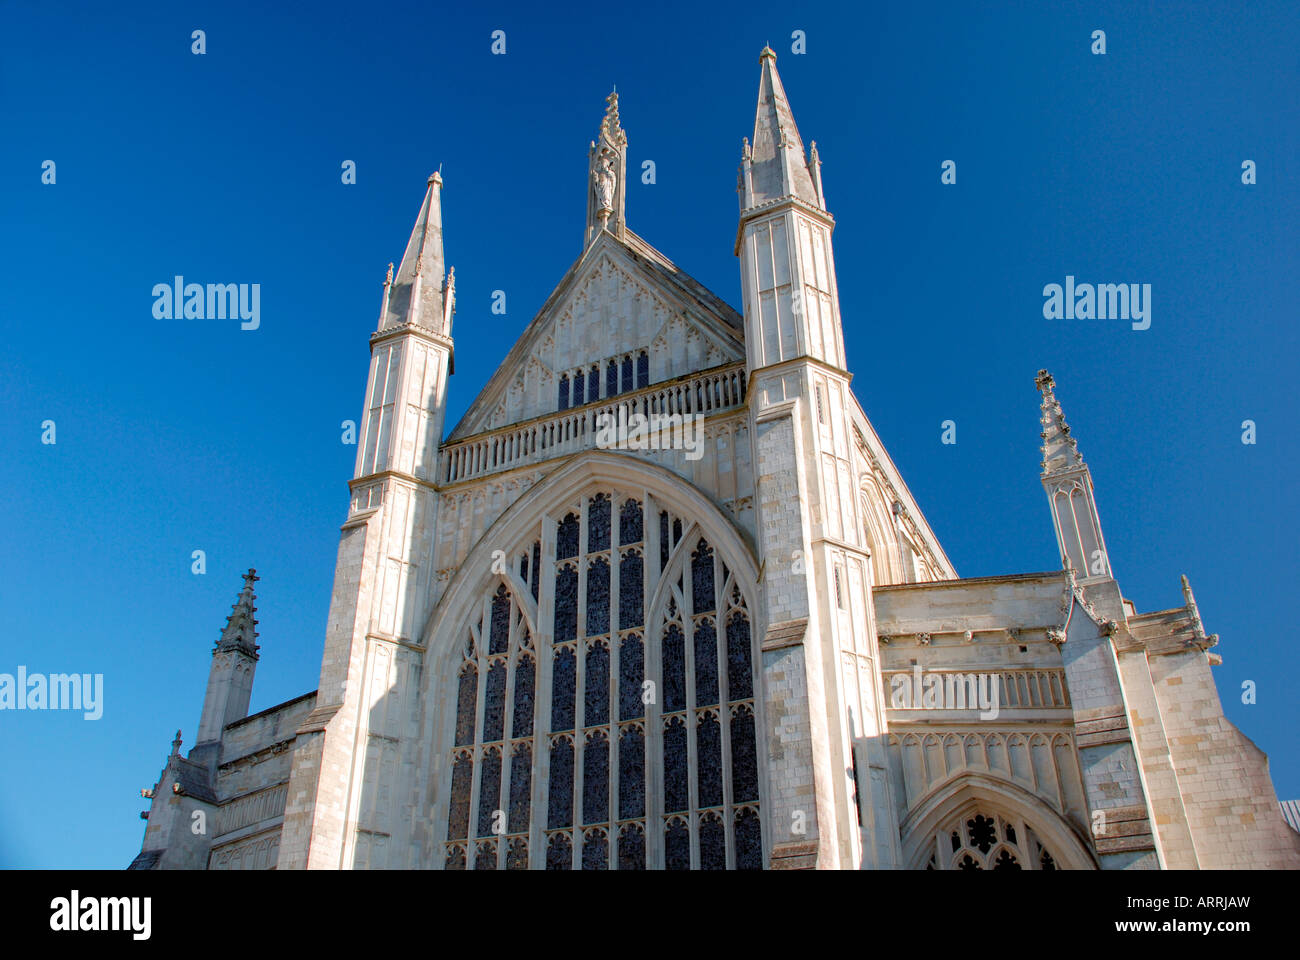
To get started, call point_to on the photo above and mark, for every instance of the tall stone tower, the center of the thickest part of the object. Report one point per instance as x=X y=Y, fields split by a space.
x=819 y=657
x=381 y=586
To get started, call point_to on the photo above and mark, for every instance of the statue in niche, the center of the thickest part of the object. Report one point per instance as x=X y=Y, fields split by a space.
x=605 y=180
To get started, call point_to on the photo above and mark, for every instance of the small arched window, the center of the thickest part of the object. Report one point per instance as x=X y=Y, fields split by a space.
x=982 y=840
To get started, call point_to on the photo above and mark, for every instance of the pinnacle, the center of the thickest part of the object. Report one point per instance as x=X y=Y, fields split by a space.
x=1060 y=450
x=240 y=632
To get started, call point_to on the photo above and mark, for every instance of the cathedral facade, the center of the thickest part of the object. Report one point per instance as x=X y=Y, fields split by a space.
x=661 y=600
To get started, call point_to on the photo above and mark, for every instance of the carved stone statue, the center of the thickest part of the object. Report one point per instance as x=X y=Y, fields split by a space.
x=605 y=179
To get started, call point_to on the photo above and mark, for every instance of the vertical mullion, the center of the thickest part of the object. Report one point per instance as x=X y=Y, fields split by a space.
x=543 y=644
x=507 y=720
x=580 y=686
x=652 y=665
x=692 y=720
x=480 y=708
x=614 y=678
x=724 y=709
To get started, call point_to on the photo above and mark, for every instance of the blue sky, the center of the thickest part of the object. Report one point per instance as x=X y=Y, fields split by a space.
x=177 y=435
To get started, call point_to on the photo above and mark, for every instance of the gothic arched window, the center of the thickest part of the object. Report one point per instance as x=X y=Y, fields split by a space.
x=626 y=738
x=982 y=840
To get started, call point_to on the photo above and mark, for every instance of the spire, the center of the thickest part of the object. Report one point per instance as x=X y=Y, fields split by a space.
x=1068 y=483
x=241 y=629
x=415 y=294
x=1060 y=452
x=607 y=176
x=774 y=166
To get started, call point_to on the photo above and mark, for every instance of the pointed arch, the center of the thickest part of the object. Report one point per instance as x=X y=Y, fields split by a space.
x=973 y=793
x=596 y=752
x=878 y=532
x=588 y=472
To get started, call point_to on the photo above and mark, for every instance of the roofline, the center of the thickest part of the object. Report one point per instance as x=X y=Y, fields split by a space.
x=262 y=713
x=1007 y=578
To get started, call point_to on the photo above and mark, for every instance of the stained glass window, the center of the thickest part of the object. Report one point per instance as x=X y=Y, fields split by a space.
x=466 y=704
x=596 y=703
x=631 y=675
x=563 y=688
x=595 y=850
x=559 y=852
x=595 y=778
x=598 y=523
x=631 y=773
x=629 y=523
x=560 y=806
x=598 y=597
x=631 y=602
x=625 y=688
x=674 y=658
x=631 y=847
x=489 y=792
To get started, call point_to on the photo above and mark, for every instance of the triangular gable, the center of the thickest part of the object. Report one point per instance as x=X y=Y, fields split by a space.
x=619 y=298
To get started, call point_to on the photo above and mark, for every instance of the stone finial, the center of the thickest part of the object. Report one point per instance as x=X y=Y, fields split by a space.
x=176 y=744
x=240 y=633
x=607 y=175
x=1060 y=451
x=610 y=126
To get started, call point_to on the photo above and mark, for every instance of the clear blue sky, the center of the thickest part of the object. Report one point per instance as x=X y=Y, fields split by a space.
x=181 y=435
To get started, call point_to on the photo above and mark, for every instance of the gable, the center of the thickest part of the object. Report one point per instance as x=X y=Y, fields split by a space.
x=620 y=303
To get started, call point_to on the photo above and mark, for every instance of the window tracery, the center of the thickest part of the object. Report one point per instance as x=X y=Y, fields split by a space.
x=635 y=736
x=984 y=840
